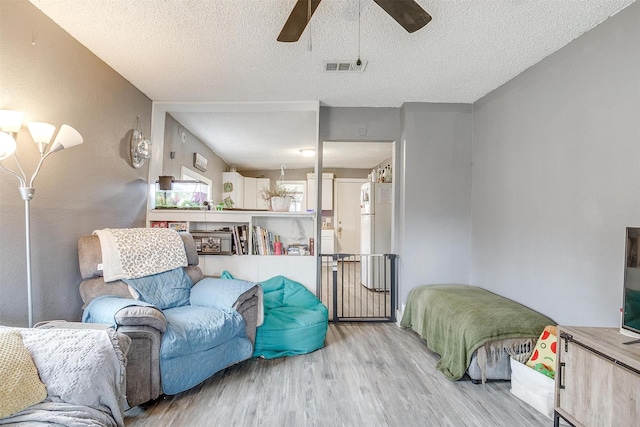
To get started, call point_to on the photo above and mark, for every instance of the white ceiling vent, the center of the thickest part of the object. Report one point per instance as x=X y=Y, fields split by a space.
x=344 y=66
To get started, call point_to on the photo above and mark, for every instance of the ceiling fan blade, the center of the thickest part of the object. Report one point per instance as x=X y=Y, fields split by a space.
x=407 y=13
x=298 y=20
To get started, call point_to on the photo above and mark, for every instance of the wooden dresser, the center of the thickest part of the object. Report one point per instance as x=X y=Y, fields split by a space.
x=597 y=378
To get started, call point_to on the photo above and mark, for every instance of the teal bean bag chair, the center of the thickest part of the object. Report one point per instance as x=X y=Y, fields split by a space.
x=295 y=321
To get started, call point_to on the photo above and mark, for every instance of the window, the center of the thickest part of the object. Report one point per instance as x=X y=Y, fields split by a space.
x=188 y=174
x=299 y=190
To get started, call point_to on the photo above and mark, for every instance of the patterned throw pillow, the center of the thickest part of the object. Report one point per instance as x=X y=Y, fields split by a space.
x=543 y=358
x=21 y=386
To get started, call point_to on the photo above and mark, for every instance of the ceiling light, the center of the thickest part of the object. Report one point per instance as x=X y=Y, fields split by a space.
x=308 y=152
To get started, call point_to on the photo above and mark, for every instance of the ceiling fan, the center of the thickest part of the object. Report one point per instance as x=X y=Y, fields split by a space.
x=407 y=13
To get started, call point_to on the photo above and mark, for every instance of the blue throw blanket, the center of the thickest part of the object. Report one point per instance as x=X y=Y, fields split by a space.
x=164 y=290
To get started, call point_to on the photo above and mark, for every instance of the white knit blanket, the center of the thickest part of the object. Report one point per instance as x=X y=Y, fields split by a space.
x=130 y=253
x=84 y=372
x=491 y=352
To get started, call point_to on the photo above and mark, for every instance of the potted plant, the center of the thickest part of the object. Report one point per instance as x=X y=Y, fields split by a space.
x=277 y=197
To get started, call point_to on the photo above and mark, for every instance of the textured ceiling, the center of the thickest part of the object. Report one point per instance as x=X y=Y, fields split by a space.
x=226 y=50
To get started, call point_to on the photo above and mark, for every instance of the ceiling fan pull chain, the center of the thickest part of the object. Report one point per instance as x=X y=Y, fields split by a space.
x=310 y=44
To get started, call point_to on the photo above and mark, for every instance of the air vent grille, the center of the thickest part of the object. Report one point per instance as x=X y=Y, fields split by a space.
x=344 y=66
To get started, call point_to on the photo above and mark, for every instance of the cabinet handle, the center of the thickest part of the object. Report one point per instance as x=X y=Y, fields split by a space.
x=561 y=376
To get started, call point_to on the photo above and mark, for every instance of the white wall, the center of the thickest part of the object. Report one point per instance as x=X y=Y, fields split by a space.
x=556 y=177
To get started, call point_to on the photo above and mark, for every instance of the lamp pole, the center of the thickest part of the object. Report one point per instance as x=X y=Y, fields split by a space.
x=27 y=194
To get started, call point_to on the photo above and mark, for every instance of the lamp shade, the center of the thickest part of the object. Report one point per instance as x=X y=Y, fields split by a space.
x=41 y=132
x=67 y=137
x=7 y=145
x=11 y=121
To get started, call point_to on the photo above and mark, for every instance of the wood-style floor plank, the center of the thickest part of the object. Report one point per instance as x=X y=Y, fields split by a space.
x=373 y=374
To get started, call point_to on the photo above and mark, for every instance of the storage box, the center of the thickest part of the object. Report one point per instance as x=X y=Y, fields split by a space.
x=212 y=242
x=533 y=387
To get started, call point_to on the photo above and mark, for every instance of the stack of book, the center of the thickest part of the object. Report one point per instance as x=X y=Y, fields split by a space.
x=240 y=243
x=263 y=241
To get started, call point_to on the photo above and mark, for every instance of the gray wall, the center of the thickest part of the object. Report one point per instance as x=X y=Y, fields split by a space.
x=88 y=187
x=556 y=173
x=435 y=194
x=360 y=124
x=184 y=156
x=432 y=183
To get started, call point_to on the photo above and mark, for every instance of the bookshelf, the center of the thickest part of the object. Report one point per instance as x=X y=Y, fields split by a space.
x=257 y=259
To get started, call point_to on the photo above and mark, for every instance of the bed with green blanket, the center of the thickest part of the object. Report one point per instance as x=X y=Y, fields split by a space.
x=461 y=323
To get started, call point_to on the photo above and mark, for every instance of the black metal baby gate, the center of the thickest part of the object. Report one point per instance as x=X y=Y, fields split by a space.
x=358 y=287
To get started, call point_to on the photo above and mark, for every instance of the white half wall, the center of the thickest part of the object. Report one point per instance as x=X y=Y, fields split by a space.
x=556 y=177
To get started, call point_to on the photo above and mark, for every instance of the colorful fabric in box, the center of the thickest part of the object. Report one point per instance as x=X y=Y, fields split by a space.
x=295 y=321
x=543 y=358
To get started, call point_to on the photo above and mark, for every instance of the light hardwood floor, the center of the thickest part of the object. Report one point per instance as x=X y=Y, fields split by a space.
x=368 y=374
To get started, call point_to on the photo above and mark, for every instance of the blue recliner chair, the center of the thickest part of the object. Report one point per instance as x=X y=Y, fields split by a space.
x=184 y=327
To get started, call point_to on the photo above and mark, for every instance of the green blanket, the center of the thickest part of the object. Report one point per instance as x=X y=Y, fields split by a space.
x=455 y=320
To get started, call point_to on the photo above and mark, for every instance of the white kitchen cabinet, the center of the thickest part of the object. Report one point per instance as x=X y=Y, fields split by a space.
x=327 y=191
x=261 y=183
x=233 y=189
x=328 y=241
x=252 y=189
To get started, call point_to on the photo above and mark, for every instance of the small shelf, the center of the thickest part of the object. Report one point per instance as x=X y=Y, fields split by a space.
x=291 y=227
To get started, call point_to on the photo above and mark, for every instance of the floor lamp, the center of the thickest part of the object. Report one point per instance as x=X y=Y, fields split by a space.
x=41 y=133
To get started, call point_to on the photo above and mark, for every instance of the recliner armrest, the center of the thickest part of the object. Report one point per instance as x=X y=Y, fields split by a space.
x=118 y=311
x=249 y=310
x=136 y=315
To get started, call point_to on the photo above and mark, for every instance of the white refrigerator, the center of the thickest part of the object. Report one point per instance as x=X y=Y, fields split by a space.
x=376 y=203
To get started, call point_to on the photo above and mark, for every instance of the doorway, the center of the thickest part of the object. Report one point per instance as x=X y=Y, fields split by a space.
x=347 y=214
x=357 y=278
